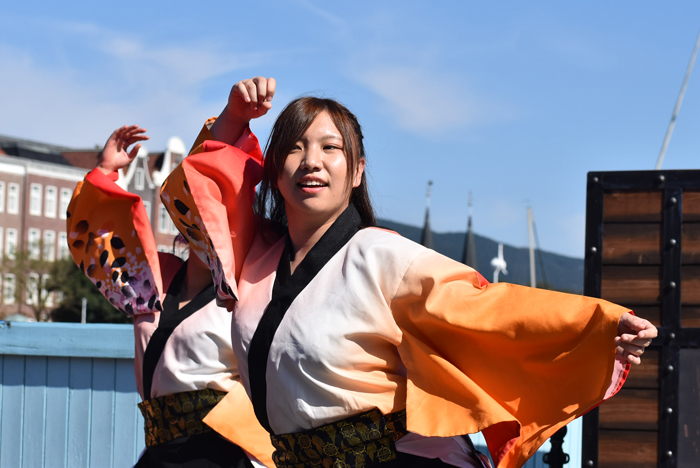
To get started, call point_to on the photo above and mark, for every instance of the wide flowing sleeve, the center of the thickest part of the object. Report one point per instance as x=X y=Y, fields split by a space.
x=110 y=239
x=210 y=197
x=514 y=362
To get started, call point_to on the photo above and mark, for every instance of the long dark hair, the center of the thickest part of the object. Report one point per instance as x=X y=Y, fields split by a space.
x=291 y=124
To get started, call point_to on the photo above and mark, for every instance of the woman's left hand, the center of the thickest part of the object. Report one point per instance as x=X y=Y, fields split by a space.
x=633 y=335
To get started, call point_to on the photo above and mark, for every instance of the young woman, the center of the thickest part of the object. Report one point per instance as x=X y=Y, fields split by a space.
x=359 y=347
x=184 y=363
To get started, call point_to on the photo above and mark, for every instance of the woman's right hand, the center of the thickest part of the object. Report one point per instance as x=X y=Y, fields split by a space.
x=115 y=154
x=251 y=98
x=248 y=100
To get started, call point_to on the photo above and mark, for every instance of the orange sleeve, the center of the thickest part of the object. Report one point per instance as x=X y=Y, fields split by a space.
x=210 y=197
x=513 y=362
x=110 y=239
x=212 y=194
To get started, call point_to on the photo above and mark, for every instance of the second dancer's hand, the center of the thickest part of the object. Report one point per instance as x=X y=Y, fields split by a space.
x=249 y=99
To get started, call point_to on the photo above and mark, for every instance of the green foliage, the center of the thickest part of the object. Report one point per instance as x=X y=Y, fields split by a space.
x=73 y=285
x=29 y=270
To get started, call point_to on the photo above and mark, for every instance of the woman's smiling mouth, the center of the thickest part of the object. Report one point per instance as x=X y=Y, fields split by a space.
x=311 y=184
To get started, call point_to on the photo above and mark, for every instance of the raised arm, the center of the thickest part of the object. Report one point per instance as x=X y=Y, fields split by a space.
x=211 y=193
x=109 y=233
x=248 y=100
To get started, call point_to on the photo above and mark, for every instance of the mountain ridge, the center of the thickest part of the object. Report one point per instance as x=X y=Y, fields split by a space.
x=563 y=273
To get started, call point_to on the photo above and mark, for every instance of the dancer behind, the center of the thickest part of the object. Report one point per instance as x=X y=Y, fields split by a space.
x=184 y=363
x=359 y=347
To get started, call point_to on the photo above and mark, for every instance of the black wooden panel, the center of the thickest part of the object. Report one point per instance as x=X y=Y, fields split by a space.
x=627 y=207
x=689 y=409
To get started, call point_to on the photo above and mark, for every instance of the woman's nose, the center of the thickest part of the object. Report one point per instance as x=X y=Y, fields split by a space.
x=312 y=159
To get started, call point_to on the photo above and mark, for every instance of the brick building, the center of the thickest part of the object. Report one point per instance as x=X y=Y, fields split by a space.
x=36 y=184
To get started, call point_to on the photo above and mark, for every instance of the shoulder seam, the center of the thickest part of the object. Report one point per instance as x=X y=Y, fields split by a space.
x=403 y=276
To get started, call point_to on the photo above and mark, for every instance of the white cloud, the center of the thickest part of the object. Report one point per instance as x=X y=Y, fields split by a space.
x=126 y=81
x=179 y=65
x=418 y=101
x=332 y=19
x=56 y=106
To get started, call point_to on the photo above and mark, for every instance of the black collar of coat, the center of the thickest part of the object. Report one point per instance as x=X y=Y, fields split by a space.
x=286 y=288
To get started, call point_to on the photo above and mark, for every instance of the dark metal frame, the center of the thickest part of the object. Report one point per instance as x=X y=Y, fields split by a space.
x=672 y=338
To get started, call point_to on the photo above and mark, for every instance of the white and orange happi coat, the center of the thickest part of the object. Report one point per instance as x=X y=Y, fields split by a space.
x=386 y=323
x=111 y=240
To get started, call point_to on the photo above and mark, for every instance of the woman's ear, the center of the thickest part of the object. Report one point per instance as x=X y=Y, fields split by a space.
x=357 y=179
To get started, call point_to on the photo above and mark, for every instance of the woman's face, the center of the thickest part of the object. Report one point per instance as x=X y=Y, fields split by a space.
x=313 y=181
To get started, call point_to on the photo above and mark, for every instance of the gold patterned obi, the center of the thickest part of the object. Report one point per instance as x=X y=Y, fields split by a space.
x=178 y=415
x=357 y=441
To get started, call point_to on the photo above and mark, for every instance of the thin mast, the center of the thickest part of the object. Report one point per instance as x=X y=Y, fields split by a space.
x=427 y=235
x=469 y=248
x=679 y=101
x=531 y=236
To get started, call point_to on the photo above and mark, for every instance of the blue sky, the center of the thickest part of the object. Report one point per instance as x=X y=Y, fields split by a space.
x=514 y=101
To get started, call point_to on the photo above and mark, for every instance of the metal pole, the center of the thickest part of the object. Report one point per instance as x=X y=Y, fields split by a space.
x=556 y=458
x=83 y=312
x=531 y=235
x=678 y=105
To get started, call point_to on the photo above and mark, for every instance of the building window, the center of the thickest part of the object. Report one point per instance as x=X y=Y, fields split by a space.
x=10 y=243
x=50 y=245
x=147 y=207
x=13 y=198
x=2 y=240
x=139 y=179
x=48 y=301
x=35 y=199
x=32 y=289
x=164 y=248
x=175 y=159
x=2 y=197
x=50 y=202
x=163 y=220
x=63 y=250
x=33 y=241
x=8 y=291
x=173 y=229
x=65 y=201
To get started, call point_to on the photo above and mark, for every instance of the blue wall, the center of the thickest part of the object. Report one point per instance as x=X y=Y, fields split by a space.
x=68 y=399
x=68 y=396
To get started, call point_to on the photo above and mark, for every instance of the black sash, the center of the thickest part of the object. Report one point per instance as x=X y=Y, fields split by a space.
x=170 y=318
x=286 y=288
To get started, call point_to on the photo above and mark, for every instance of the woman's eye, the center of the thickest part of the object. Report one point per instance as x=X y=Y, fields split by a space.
x=332 y=147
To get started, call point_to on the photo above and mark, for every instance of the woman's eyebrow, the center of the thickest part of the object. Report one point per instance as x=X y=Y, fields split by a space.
x=323 y=138
x=331 y=137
